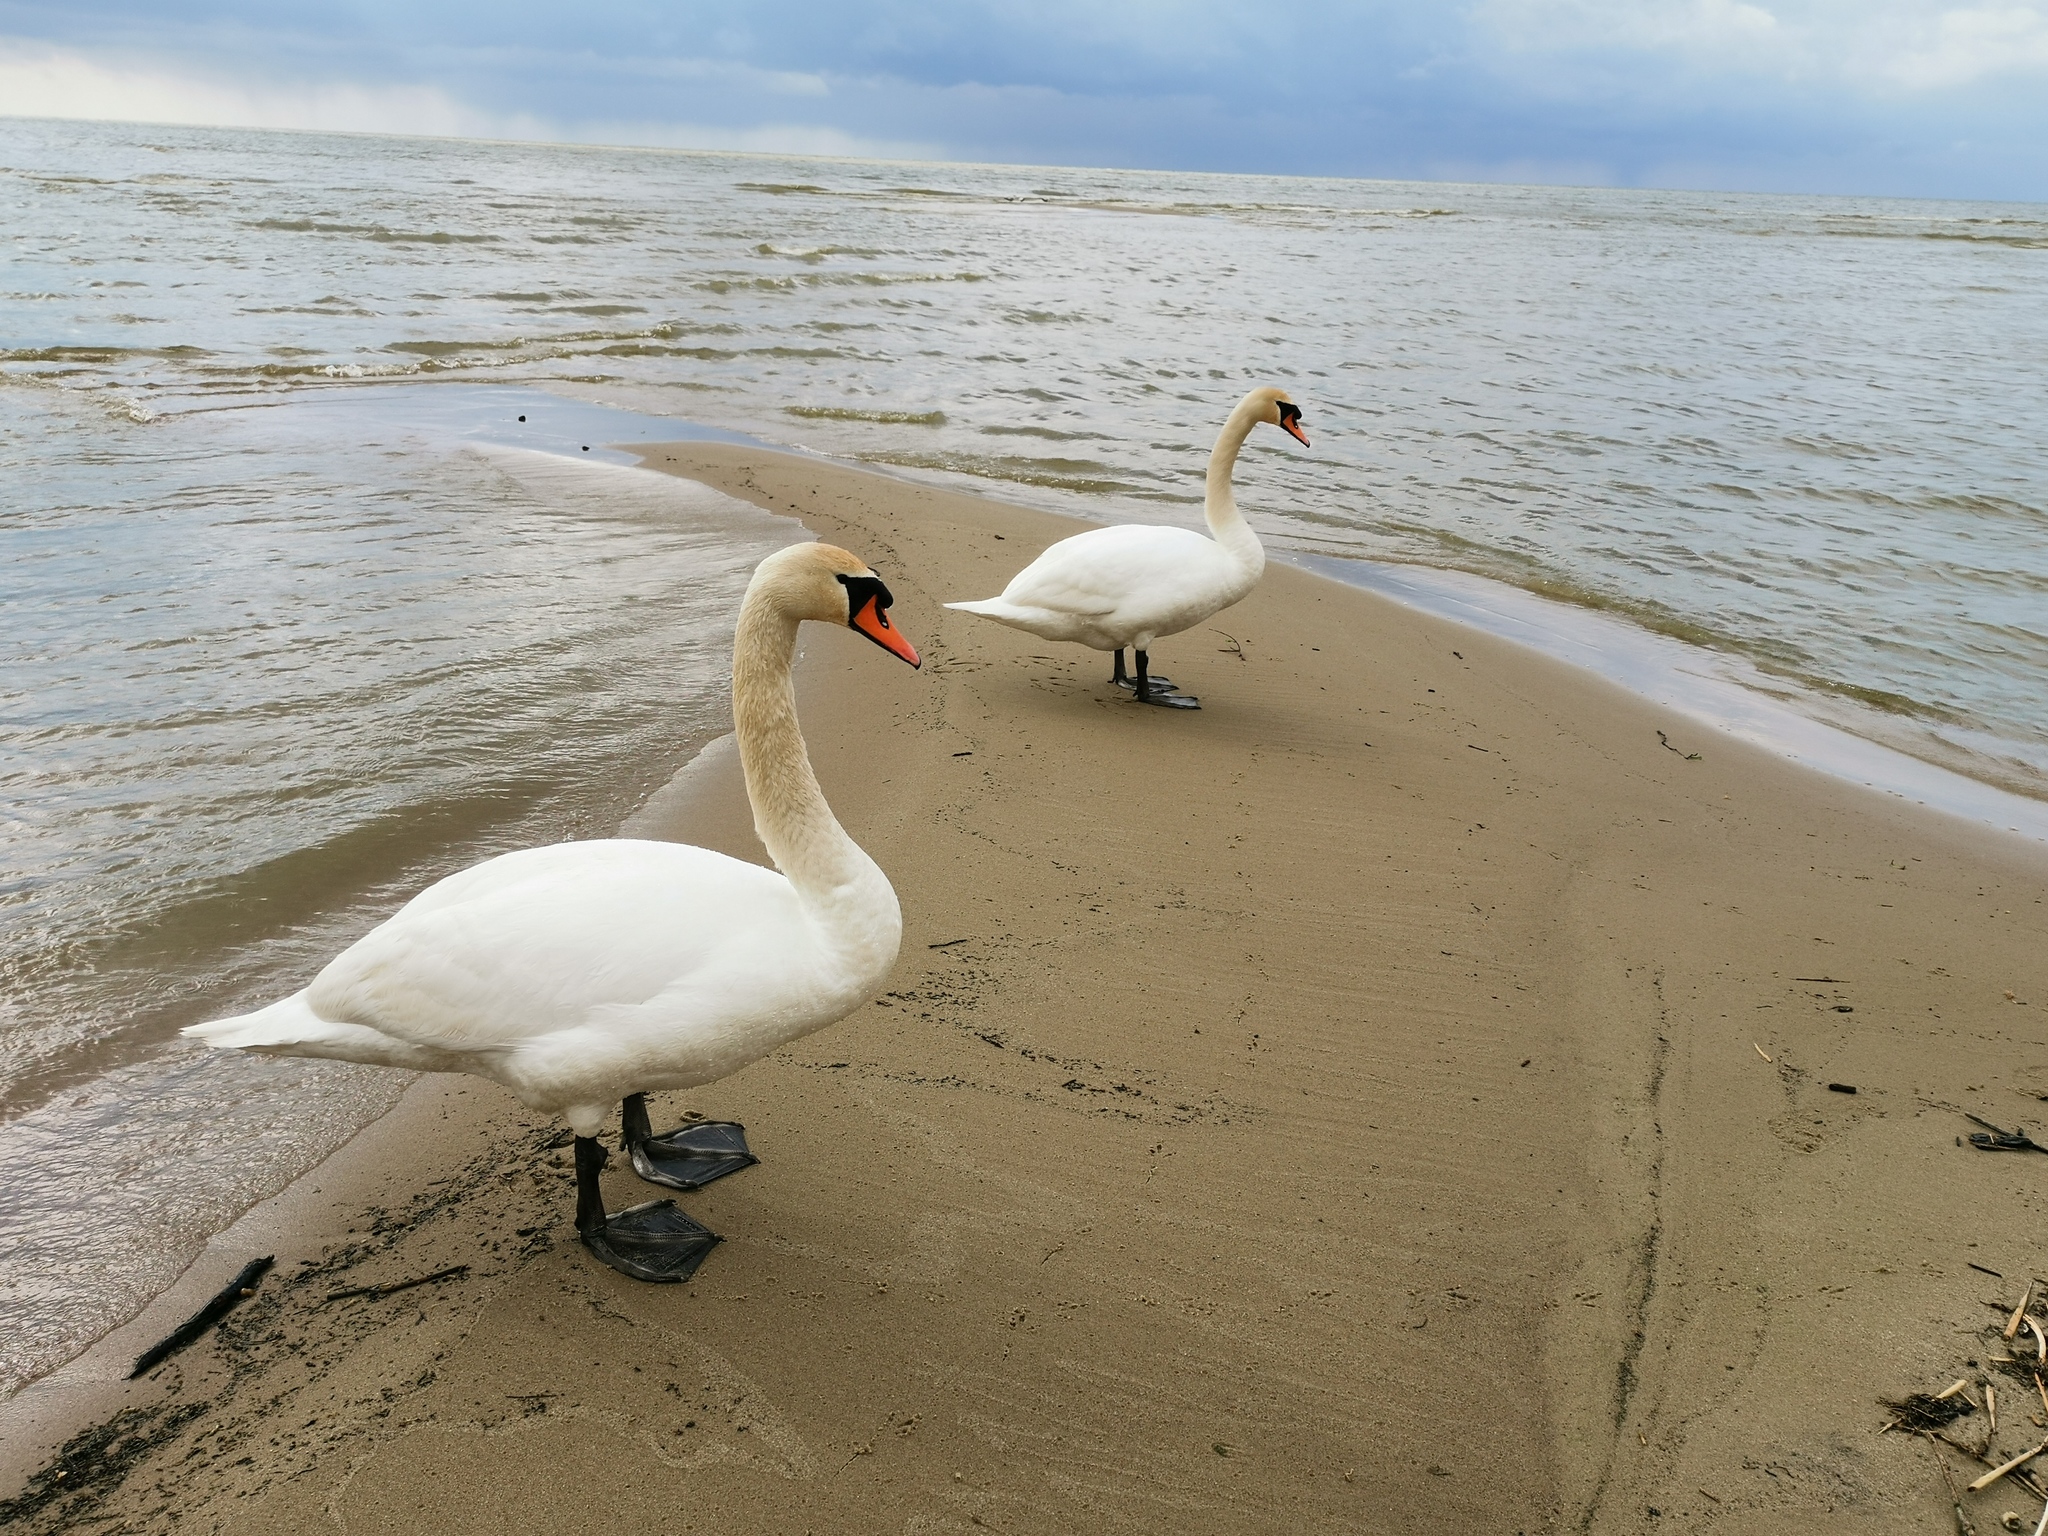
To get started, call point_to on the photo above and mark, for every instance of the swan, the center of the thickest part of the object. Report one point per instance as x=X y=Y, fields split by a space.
x=584 y=974
x=1131 y=583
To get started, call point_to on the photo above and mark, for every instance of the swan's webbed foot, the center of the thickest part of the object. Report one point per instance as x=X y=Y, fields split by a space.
x=688 y=1157
x=694 y=1155
x=1150 y=689
x=654 y=1242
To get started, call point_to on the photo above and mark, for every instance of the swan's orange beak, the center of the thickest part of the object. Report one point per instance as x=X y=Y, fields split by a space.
x=873 y=621
x=1290 y=422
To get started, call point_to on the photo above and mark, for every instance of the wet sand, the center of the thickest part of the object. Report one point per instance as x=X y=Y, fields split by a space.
x=1395 y=1098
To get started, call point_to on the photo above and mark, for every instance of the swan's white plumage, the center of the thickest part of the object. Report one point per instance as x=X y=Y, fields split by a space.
x=582 y=972
x=1134 y=583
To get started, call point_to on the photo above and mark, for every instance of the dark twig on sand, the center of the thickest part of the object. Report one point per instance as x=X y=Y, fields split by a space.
x=1955 y=1494
x=374 y=1291
x=1236 y=646
x=1690 y=757
x=2000 y=1140
x=244 y=1284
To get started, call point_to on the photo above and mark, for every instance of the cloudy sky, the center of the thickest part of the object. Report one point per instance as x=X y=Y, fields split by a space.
x=1914 y=97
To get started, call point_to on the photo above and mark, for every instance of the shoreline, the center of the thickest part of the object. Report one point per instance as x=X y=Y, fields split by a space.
x=1100 y=989
x=1726 y=691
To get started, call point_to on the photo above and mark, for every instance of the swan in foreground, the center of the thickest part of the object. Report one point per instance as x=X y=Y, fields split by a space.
x=1130 y=584
x=584 y=974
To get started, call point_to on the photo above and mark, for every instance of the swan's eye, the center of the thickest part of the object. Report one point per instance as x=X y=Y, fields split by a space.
x=860 y=591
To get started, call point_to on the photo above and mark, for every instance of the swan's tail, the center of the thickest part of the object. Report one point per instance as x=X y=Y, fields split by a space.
x=292 y=1028
x=1019 y=615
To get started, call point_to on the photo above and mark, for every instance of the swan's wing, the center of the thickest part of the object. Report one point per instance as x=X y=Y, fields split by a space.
x=1111 y=570
x=531 y=943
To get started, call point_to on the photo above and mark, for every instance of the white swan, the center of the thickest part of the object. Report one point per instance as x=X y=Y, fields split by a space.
x=583 y=974
x=1132 y=583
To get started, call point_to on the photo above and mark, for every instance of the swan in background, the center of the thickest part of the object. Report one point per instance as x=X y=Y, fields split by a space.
x=1130 y=584
x=584 y=974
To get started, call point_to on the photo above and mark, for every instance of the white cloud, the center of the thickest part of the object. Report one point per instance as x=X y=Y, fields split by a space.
x=1961 y=47
x=1887 y=45
x=39 y=80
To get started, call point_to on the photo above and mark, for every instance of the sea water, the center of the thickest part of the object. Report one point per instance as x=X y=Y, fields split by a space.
x=300 y=614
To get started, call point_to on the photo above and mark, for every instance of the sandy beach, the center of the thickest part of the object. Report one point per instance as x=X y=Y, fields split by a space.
x=1401 y=1097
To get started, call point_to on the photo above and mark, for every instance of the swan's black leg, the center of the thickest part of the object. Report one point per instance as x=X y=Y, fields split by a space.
x=590 y=1161
x=633 y=1126
x=1157 y=690
x=688 y=1157
x=1123 y=679
x=654 y=1241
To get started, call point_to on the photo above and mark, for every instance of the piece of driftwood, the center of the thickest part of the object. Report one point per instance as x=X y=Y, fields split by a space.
x=2024 y=1479
x=1999 y=1471
x=374 y=1291
x=1761 y=1051
x=224 y=1301
x=2019 y=1313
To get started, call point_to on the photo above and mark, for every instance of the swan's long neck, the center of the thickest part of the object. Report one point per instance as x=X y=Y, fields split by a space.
x=1219 y=502
x=794 y=823
x=839 y=885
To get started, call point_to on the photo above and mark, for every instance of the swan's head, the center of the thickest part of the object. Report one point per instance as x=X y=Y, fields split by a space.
x=832 y=586
x=1274 y=408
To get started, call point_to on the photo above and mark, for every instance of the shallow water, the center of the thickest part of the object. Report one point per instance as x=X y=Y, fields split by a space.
x=301 y=615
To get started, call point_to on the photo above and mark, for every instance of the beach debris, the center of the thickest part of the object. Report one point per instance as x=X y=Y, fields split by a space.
x=1236 y=646
x=1841 y=1088
x=375 y=1291
x=946 y=944
x=1762 y=1052
x=2019 y=1313
x=2007 y=1466
x=1963 y=1526
x=225 y=1300
x=1993 y=1139
x=1690 y=757
x=1920 y=1412
x=1994 y=1274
